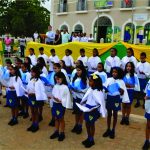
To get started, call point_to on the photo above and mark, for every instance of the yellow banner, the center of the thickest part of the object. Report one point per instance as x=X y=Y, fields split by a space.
x=74 y=46
x=1 y=46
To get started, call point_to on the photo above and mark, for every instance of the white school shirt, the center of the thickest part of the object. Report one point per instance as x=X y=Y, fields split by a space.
x=112 y=62
x=53 y=59
x=44 y=70
x=147 y=102
x=90 y=39
x=75 y=39
x=92 y=63
x=84 y=60
x=33 y=59
x=143 y=67
x=69 y=61
x=84 y=39
x=127 y=59
x=95 y=98
x=45 y=57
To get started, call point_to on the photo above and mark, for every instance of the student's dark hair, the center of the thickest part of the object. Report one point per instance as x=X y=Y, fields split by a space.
x=131 y=50
x=41 y=49
x=17 y=72
x=62 y=76
x=97 y=82
x=120 y=72
x=81 y=62
x=143 y=54
x=82 y=50
x=37 y=71
x=57 y=65
x=8 y=61
x=102 y=65
x=52 y=50
x=69 y=51
x=64 y=64
x=19 y=60
x=114 y=50
x=41 y=62
x=26 y=65
x=132 y=69
x=83 y=76
x=29 y=63
x=97 y=53
x=32 y=50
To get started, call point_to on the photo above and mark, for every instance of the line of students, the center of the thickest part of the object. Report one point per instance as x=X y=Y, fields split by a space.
x=29 y=83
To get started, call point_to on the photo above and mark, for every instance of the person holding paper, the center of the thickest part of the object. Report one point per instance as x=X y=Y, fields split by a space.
x=94 y=101
x=61 y=100
x=78 y=86
x=36 y=93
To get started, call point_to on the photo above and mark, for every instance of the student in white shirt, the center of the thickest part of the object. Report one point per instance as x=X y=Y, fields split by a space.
x=75 y=38
x=112 y=61
x=68 y=59
x=32 y=57
x=143 y=73
x=129 y=58
x=84 y=38
x=93 y=61
x=41 y=51
x=53 y=59
x=82 y=57
x=90 y=39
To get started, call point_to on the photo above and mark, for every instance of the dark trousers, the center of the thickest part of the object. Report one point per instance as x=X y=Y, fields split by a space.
x=22 y=50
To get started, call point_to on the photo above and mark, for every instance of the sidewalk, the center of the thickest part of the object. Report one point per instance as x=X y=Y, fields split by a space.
x=17 y=138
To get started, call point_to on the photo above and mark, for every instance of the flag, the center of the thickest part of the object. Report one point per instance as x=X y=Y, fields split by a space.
x=128 y=2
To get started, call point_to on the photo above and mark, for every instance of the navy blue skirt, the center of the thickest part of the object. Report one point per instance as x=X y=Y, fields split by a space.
x=32 y=101
x=131 y=95
x=75 y=107
x=12 y=99
x=147 y=116
x=91 y=117
x=58 y=110
x=143 y=83
x=113 y=103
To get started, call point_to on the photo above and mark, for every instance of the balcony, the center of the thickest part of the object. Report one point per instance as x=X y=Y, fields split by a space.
x=103 y=4
x=62 y=8
x=82 y=6
x=127 y=4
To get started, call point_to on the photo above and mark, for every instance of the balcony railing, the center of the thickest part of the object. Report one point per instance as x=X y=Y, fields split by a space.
x=127 y=3
x=82 y=5
x=103 y=4
x=62 y=7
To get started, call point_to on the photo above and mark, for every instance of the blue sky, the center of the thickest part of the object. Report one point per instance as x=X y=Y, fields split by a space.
x=47 y=5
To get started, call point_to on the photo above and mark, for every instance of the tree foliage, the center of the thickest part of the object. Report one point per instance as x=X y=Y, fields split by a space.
x=23 y=17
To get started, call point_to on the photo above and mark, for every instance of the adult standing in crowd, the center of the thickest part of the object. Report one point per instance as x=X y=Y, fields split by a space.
x=8 y=42
x=65 y=36
x=50 y=36
x=22 y=43
x=35 y=36
x=57 y=37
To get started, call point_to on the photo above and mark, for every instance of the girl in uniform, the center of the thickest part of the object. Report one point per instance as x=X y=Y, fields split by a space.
x=27 y=61
x=79 y=85
x=62 y=100
x=32 y=57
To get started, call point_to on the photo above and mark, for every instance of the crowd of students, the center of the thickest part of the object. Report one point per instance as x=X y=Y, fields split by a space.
x=86 y=85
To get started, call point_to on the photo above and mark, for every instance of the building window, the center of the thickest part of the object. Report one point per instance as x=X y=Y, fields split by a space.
x=82 y=5
x=149 y=3
x=127 y=3
x=62 y=6
x=147 y=33
x=78 y=28
x=64 y=27
x=103 y=4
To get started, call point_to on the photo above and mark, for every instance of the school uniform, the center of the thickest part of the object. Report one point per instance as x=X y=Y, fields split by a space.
x=110 y=63
x=33 y=59
x=69 y=63
x=84 y=39
x=63 y=94
x=131 y=81
x=147 y=101
x=92 y=64
x=79 y=86
x=114 y=99
x=84 y=59
x=94 y=98
x=45 y=57
x=127 y=59
x=44 y=70
x=75 y=39
x=52 y=60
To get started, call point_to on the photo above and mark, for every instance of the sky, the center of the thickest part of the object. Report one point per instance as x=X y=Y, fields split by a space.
x=47 y=5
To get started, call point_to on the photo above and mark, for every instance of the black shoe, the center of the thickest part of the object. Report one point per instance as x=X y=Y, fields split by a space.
x=15 y=122
x=35 y=129
x=107 y=133
x=74 y=130
x=26 y=115
x=146 y=146
x=21 y=113
x=4 y=96
x=73 y=112
x=52 y=123
x=79 y=130
x=40 y=118
x=30 y=128
x=127 y=121
x=137 y=105
x=89 y=144
x=112 y=135
x=31 y=119
x=122 y=121
x=85 y=141
x=6 y=105
x=54 y=135
x=61 y=137
x=10 y=122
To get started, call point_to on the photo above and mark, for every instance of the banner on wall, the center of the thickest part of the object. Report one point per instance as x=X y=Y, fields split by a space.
x=140 y=33
x=129 y=33
x=117 y=34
